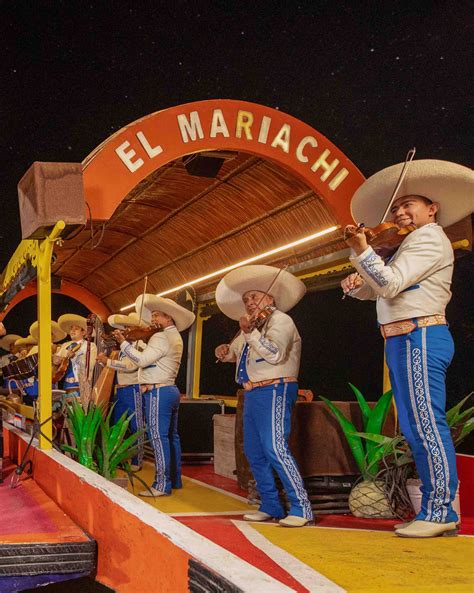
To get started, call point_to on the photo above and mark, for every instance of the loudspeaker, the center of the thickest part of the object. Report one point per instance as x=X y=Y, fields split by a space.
x=56 y=282
x=49 y=192
x=201 y=166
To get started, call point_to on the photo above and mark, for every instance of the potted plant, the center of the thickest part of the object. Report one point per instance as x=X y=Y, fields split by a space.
x=391 y=466
x=461 y=424
x=99 y=445
x=374 y=494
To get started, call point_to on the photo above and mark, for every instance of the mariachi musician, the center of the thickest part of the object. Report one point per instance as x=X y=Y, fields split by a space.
x=75 y=350
x=159 y=365
x=412 y=290
x=268 y=359
x=128 y=396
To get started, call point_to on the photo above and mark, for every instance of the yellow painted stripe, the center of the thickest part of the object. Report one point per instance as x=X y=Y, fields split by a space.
x=376 y=561
x=192 y=498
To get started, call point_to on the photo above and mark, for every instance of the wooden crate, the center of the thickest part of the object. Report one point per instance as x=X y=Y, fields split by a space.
x=224 y=446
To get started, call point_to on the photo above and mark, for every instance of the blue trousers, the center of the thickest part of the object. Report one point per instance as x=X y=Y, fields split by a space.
x=161 y=410
x=267 y=423
x=418 y=362
x=129 y=399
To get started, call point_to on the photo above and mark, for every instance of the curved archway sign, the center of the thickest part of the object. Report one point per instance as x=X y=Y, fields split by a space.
x=115 y=167
x=70 y=289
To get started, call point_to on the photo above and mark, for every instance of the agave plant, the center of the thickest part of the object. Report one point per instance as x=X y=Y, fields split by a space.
x=116 y=448
x=99 y=445
x=84 y=425
x=367 y=453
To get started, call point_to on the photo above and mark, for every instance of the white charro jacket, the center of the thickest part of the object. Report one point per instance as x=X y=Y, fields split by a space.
x=274 y=352
x=127 y=371
x=415 y=282
x=159 y=362
x=78 y=361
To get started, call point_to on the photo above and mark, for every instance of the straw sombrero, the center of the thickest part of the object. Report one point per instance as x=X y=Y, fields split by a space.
x=183 y=318
x=122 y=321
x=57 y=334
x=67 y=320
x=8 y=340
x=28 y=341
x=449 y=184
x=287 y=290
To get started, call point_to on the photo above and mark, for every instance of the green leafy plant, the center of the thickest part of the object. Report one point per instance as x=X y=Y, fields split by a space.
x=99 y=445
x=84 y=425
x=460 y=422
x=367 y=452
x=116 y=448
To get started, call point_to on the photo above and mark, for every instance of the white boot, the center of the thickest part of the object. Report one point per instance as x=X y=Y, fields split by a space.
x=257 y=516
x=152 y=492
x=293 y=521
x=427 y=529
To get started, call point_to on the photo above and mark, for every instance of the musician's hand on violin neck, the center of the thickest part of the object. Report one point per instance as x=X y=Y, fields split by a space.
x=222 y=351
x=356 y=239
x=118 y=335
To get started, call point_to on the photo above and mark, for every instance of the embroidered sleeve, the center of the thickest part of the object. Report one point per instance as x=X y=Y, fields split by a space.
x=420 y=255
x=275 y=341
x=125 y=365
x=157 y=347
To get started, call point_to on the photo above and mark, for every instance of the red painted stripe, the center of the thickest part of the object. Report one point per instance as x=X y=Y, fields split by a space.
x=223 y=532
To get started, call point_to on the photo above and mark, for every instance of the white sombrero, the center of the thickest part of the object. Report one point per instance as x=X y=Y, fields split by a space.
x=28 y=341
x=287 y=290
x=67 y=320
x=8 y=340
x=450 y=184
x=57 y=333
x=122 y=321
x=182 y=317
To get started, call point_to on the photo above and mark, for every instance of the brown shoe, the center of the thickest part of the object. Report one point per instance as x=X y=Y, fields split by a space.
x=428 y=529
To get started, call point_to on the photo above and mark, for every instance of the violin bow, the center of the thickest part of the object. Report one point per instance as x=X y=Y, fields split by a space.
x=258 y=304
x=143 y=300
x=408 y=160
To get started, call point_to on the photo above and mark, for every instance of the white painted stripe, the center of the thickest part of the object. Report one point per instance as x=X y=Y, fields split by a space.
x=216 y=489
x=237 y=571
x=202 y=514
x=301 y=572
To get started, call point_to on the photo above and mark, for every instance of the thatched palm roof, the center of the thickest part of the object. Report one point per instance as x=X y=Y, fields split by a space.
x=174 y=226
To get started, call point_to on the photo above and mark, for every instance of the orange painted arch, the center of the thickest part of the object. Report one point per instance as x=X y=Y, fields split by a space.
x=70 y=289
x=127 y=157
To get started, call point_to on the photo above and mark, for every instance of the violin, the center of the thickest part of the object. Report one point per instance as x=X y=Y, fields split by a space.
x=261 y=317
x=132 y=334
x=385 y=238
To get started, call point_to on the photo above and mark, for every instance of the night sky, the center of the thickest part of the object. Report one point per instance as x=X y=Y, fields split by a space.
x=375 y=78
x=375 y=81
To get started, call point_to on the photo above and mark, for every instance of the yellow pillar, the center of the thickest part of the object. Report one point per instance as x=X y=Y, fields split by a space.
x=44 y=252
x=197 y=350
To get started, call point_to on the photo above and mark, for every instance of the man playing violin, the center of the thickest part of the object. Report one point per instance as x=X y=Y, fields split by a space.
x=158 y=367
x=267 y=353
x=128 y=396
x=412 y=290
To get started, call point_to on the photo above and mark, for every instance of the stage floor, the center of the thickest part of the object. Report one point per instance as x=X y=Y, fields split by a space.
x=339 y=553
x=39 y=543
